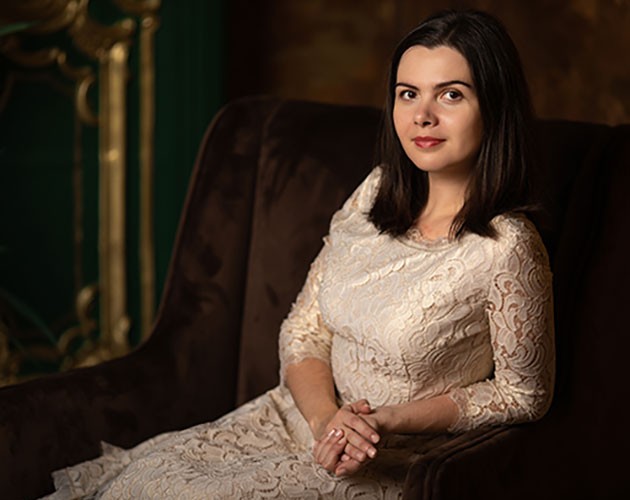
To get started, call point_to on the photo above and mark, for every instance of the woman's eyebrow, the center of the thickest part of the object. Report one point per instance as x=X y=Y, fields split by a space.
x=452 y=82
x=403 y=84
x=437 y=85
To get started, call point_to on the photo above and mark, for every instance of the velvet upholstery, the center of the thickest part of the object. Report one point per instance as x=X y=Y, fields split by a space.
x=268 y=176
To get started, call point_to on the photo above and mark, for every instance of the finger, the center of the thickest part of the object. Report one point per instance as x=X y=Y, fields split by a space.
x=321 y=445
x=331 y=459
x=362 y=428
x=360 y=454
x=361 y=406
x=358 y=448
x=331 y=449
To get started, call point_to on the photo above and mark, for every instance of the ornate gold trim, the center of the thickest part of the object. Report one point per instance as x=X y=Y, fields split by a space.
x=96 y=40
x=83 y=304
x=147 y=11
x=109 y=46
x=149 y=25
x=64 y=14
x=83 y=76
x=112 y=205
x=140 y=8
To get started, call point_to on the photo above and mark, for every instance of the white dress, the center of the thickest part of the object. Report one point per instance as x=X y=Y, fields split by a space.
x=397 y=320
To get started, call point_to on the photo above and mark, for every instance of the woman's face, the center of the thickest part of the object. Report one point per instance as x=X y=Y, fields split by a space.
x=436 y=111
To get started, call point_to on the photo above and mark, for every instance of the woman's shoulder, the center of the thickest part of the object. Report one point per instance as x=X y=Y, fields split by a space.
x=514 y=226
x=363 y=196
x=361 y=200
x=517 y=233
x=353 y=215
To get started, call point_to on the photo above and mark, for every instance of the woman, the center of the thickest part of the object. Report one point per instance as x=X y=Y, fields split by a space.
x=427 y=312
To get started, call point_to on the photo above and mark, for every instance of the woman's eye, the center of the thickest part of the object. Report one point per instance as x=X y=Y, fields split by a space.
x=452 y=95
x=407 y=94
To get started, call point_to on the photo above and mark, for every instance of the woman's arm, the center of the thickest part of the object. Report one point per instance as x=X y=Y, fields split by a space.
x=305 y=370
x=311 y=385
x=435 y=414
x=520 y=317
x=304 y=348
x=520 y=320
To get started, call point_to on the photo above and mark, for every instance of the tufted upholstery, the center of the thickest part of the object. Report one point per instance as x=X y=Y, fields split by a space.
x=268 y=176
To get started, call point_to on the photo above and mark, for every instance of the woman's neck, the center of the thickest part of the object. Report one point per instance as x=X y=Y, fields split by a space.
x=445 y=199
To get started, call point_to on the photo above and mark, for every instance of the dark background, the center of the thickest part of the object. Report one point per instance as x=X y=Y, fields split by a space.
x=209 y=52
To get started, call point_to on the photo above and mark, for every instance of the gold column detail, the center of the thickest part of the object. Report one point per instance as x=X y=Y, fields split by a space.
x=112 y=169
x=148 y=26
x=147 y=11
x=109 y=46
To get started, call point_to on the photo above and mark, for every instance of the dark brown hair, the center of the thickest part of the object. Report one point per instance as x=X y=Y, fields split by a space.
x=499 y=181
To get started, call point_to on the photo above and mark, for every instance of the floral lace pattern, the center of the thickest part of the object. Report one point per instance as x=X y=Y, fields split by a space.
x=397 y=320
x=415 y=318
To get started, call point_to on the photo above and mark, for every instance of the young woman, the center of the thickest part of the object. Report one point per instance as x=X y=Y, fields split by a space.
x=427 y=312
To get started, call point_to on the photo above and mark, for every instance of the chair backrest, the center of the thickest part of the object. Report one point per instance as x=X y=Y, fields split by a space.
x=313 y=157
x=269 y=175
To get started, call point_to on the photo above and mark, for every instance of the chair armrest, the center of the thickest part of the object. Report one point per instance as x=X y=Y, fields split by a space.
x=52 y=422
x=497 y=463
x=59 y=420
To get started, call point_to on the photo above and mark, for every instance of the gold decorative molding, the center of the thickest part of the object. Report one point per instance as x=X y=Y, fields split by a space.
x=140 y=8
x=149 y=23
x=109 y=47
x=83 y=76
x=149 y=26
x=112 y=204
x=84 y=302
x=60 y=15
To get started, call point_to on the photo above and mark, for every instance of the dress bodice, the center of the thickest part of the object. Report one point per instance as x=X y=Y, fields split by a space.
x=400 y=319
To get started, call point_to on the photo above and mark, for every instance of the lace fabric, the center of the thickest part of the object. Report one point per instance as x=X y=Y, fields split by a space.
x=414 y=318
x=397 y=320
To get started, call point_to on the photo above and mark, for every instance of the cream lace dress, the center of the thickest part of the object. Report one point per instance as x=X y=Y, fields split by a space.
x=397 y=320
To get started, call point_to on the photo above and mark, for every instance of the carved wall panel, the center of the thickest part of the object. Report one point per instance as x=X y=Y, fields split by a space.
x=43 y=40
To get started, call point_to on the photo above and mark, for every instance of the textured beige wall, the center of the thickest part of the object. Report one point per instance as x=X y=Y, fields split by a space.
x=575 y=52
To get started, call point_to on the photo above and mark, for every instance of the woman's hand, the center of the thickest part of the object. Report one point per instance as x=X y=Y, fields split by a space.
x=378 y=420
x=328 y=450
x=346 y=433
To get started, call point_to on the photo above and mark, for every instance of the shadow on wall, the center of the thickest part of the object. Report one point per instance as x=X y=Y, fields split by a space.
x=574 y=52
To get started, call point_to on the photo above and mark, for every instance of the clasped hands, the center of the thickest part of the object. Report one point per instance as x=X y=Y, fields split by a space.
x=348 y=440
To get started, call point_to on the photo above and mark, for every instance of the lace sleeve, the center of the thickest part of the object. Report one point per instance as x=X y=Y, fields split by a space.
x=520 y=315
x=302 y=334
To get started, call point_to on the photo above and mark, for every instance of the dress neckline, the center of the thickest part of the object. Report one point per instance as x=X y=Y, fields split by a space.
x=415 y=237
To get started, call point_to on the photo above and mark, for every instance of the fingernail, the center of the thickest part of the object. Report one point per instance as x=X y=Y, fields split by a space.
x=371 y=452
x=338 y=432
x=375 y=438
x=332 y=432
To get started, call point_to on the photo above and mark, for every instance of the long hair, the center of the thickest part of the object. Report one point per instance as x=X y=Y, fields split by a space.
x=499 y=181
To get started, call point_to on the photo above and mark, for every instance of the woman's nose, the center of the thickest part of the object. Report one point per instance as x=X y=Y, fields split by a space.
x=423 y=115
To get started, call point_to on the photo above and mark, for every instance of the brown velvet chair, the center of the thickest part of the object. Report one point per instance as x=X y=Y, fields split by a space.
x=269 y=174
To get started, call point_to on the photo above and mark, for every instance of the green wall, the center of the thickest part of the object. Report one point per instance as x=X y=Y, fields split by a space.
x=36 y=133
x=190 y=73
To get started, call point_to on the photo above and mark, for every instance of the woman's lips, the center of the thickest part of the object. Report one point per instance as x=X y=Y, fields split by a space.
x=427 y=142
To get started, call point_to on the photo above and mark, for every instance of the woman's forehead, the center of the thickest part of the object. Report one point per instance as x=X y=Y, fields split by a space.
x=433 y=65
